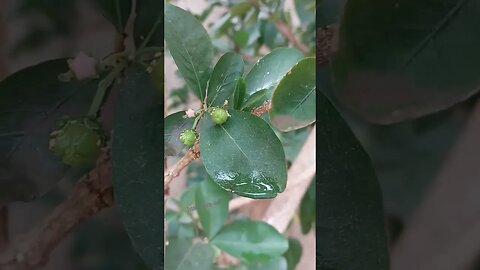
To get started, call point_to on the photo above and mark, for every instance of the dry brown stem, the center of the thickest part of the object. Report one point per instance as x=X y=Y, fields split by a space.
x=91 y=194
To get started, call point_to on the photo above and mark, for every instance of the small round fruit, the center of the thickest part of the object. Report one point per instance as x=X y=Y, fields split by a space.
x=78 y=142
x=219 y=116
x=188 y=137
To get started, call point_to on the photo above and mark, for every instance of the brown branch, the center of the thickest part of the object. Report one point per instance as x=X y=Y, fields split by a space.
x=91 y=194
x=288 y=34
x=194 y=152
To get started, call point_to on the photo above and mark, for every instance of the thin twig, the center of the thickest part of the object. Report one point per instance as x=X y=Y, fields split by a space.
x=288 y=34
x=91 y=194
x=194 y=152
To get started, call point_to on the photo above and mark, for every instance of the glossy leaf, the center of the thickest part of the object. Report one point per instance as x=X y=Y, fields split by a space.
x=279 y=263
x=293 y=254
x=307 y=208
x=293 y=102
x=190 y=47
x=148 y=28
x=117 y=12
x=244 y=156
x=349 y=218
x=236 y=99
x=408 y=155
x=225 y=75
x=136 y=164
x=399 y=60
x=256 y=99
x=251 y=241
x=293 y=142
x=32 y=102
x=211 y=202
x=175 y=124
x=271 y=68
x=183 y=255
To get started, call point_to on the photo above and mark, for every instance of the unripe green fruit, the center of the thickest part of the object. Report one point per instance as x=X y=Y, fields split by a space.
x=78 y=142
x=219 y=116
x=188 y=137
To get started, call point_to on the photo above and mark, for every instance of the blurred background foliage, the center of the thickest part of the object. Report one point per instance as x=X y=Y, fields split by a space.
x=34 y=31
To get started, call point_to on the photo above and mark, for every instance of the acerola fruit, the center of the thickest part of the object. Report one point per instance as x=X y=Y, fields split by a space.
x=219 y=116
x=188 y=137
x=78 y=142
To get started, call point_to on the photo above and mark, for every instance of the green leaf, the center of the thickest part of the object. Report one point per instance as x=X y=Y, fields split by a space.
x=270 y=35
x=188 y=196
x=293 y=102
x=178 y=230
x=306 y=10
x=32 y=102
x=190 y=47
x=292 y=142
x=244 y=156
x=350 y=218
x=211 y=202
x=148 y=28
x=222 y=83
x=136 y=155
x=251 y=241
x=256 y=99
x=241 y=38
x=238 y=94
x=240 y=9
x=181 y=254
x=307 y=208
x=279 y=263
x=117 y=12
x=270 y=69
x=408 y=155
x=398 y=62
x=221 y=25
x=293 y=254
x=175 y=124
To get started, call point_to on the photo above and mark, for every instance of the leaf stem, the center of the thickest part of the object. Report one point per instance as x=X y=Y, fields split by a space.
x=102 y=88
x=197 y=119
x=186 y=211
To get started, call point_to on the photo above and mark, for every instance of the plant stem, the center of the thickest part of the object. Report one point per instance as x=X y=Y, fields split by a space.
x=197 y=119
x=287 y=33
x=186 y=211
x=102 y=89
